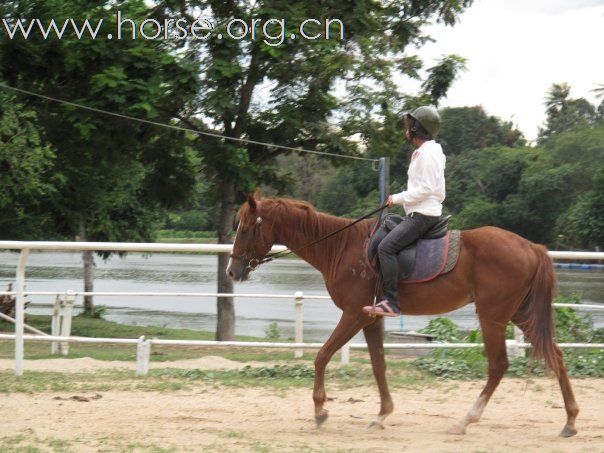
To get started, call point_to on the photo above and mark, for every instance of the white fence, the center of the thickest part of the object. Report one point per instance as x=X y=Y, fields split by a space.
x=144 y=346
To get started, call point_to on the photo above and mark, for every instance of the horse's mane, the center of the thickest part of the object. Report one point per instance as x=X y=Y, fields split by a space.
x=289 y=205
x=296 y=210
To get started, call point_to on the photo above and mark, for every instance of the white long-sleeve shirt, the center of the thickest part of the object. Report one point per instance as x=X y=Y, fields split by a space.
x=426 y=181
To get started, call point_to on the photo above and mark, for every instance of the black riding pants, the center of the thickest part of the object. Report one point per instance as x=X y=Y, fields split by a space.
x=409 y=230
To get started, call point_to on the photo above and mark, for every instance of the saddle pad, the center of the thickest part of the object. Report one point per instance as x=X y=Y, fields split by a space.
x=431 y=258
x=422 y=261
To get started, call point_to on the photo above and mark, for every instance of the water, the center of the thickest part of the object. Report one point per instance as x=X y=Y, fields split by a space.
x=197 y=273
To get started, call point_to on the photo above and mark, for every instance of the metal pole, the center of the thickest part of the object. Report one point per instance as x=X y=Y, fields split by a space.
x=384 y=179
x=20 y=311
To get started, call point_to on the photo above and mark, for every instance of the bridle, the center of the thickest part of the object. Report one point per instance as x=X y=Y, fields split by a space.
x=253 y=263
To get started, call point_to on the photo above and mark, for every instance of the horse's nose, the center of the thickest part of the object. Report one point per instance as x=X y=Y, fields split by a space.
x=229 y=272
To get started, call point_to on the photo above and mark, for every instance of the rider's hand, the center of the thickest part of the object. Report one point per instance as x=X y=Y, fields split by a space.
x=389 y=201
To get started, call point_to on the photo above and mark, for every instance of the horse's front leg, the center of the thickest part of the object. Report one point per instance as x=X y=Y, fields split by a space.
x=350 y=323
x=375 y=343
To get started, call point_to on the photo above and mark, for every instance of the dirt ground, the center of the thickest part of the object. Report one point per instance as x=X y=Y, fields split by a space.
x=524 y=415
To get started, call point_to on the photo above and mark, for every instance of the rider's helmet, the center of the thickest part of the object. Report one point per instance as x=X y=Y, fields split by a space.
x=428 y=117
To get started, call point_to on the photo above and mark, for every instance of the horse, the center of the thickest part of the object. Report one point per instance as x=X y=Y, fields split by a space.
x=509 y=278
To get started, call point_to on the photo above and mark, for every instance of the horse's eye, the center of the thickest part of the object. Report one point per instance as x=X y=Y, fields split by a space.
x=244 y=231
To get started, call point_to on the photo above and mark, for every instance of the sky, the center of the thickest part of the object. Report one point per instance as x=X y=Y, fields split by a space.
x=516 y=49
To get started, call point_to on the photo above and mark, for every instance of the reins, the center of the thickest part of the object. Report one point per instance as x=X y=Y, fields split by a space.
x=274 y=256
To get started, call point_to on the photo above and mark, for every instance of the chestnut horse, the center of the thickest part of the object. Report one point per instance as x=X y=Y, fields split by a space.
x=506 y=276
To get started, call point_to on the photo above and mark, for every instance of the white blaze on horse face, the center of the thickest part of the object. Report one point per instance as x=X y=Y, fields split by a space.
x=234 y=242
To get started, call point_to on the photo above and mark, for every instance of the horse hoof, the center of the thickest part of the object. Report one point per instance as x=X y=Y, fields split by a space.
x=376 y=425
x=320 y=419
x=568 y=431
x=457 y=430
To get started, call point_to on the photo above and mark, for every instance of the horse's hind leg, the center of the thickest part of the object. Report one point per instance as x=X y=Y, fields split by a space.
x=348 y=327
x=375 y=344
x=572 y=408
x=494 y=344
x=570 y=404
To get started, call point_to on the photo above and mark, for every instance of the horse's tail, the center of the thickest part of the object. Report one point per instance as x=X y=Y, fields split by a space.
x=540 y=326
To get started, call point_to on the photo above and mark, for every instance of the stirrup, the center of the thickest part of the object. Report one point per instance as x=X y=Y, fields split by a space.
x=382 y=308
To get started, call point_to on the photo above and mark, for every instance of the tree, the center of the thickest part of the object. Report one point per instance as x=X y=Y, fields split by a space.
x=488 y=175
x=27 y=185
x=470 y=128
x=599 y=92
x=583 y=223
x=298 y=78
x=564 y=113
x=116 y=175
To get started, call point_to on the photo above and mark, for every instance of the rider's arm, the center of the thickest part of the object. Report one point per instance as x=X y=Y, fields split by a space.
x=426 y=175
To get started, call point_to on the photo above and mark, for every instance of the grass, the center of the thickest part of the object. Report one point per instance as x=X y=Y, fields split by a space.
x=291 y=374
x=34 y=444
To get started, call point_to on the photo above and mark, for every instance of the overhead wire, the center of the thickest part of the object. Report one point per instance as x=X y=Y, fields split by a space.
x=180 y=128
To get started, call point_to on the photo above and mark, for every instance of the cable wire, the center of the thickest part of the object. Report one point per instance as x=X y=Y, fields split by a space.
x=180 y=128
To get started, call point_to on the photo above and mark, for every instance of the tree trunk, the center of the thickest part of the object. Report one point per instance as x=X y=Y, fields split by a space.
x=225 y=325
x=88 y=259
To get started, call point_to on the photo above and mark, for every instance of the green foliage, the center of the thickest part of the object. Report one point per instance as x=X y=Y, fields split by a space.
x=298 y=371
x=441 y=77
x=27 y=185
x=272 y=331
x=97 y=312
x=571 y=327
x=338 y=196
x=564 y=113
x=470 y=128
x=193 y=220
x=442 y=329
x=116 y=176
x=583 y=224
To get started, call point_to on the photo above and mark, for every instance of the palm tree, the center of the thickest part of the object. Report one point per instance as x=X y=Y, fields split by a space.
x=599 y=91
x=557 y=97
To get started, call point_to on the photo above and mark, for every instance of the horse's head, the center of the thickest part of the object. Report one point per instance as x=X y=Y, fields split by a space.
x=253 y=240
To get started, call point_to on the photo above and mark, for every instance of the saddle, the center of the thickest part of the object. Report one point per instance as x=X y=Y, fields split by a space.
x=433 y=254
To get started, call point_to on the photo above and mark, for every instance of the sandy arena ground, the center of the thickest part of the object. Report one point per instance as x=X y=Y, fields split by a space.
x=524 y=415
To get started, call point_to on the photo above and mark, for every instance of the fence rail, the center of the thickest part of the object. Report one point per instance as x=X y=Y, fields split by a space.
x=144 y=346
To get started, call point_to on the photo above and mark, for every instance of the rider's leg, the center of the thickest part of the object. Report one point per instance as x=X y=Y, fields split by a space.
x=406 y=232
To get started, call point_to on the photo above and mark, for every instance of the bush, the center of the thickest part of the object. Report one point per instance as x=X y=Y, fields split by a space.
x=571 y=326
x=272 y=331
x=442 y=329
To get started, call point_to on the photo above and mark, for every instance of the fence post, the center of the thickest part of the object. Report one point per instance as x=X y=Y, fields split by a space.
x=512 y=349
x=20 y=311
x=143 y=353
x=66 y=324
x=519 y=337
x=55 y=325
x=299 y=335
x=345 y=358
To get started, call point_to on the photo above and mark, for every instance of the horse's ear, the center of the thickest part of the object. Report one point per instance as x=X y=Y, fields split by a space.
x=251 y=201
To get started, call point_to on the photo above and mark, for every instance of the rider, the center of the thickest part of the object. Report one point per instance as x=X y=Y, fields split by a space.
x=422 y=202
